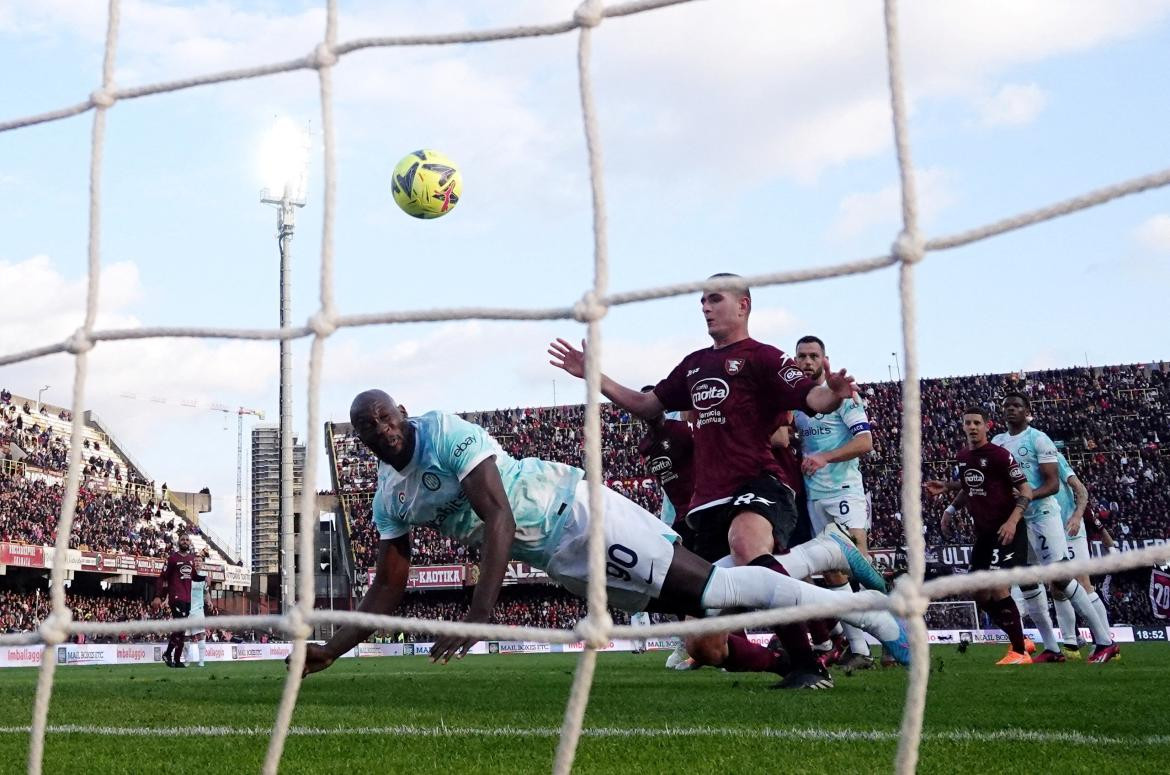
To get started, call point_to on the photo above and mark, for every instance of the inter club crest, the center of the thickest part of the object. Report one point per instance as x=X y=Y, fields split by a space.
x=732 y=366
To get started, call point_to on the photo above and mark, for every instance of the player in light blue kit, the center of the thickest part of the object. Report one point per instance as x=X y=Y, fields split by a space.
x=1073 y=498
x=444 y=472
x=832 y=444
x=1037 y=457
x=198 y=585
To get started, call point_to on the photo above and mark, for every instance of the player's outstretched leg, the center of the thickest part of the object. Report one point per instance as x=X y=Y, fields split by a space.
x=832 y=549
x=1006 y=616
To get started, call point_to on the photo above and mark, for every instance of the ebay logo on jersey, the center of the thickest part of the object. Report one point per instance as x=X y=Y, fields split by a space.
x=709 y=392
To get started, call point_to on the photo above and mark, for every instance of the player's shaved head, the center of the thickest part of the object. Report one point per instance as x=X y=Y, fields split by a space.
x=365 y=402
x=382 y=426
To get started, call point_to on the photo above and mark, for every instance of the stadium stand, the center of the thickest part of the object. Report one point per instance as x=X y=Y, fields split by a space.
x=121 y=515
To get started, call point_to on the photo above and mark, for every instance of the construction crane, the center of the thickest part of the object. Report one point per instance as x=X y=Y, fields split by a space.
x=240 y=412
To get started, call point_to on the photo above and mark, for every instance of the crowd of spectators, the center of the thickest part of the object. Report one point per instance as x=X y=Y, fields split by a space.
x=24 y=611
x=103 y=522
x=43 y=446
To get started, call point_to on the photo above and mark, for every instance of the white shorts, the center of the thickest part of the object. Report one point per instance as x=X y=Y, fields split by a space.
x=639 y=549
x=1078 y=545
x=1046 y=539
x=849 y=510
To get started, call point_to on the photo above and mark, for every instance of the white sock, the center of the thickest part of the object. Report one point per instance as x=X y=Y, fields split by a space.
x=200 y=649
x=857 y=642
x=1099 y=606
x=1036 y=601
x=813 y=557
x=1080 y=602
x=1066 y=618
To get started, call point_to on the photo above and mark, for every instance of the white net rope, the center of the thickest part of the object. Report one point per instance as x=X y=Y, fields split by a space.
x=910 y=247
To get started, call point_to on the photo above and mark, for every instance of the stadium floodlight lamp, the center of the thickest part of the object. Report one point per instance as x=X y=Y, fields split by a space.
x=284 y=163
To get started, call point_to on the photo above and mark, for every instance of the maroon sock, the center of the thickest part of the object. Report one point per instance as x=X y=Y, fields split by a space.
x=1005 y=614
x=743 y=656
x=793 y=637
x=821 y=630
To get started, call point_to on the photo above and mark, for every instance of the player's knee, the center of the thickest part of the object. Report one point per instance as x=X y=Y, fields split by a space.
x=749 y=538
x=707 y=649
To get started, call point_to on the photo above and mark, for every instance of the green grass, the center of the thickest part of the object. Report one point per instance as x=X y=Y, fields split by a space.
x=1123 y=704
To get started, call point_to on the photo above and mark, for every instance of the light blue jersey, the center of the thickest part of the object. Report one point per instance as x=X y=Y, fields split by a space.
x=825 y=432
x=429 y=490
x=1065 y=495
x=1031 y=448
x=197 y=588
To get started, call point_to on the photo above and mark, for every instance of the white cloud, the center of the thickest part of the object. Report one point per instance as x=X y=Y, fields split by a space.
x=1013 y=105
x=1154 y=234
x=860 y=211
x=785 y=88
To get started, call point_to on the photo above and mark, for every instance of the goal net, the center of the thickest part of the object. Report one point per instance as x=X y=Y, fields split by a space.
x=910 y=247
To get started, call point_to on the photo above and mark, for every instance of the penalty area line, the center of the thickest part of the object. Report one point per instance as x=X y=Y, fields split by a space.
x=797 y=734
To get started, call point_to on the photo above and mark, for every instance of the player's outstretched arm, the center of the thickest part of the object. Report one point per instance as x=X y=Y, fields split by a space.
x=571 y=360
x=390 y=573
x=485 y=491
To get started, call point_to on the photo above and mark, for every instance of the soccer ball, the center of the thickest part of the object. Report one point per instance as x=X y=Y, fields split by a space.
x=426 y=184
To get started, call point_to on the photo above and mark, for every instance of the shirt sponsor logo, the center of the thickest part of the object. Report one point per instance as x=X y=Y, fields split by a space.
x=430 y=480
x=791 y=375
x=660 y=465
x=463 y=445
x=732 y=366
x=973 y=478
x=709 y=392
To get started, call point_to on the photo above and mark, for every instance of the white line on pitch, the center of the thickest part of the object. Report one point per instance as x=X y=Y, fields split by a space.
x=813 y=735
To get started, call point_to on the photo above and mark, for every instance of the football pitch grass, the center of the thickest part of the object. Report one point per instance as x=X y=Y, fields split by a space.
x=501 y=714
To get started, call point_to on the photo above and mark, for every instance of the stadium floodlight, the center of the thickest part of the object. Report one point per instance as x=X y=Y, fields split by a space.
x=284 y=163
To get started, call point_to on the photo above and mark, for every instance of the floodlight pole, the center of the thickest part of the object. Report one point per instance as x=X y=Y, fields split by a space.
x=285 y=222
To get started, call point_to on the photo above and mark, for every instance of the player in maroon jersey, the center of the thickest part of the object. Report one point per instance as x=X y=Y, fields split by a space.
x=174 y=585
x=667 y=451
x=743 y=504
x=996 y=494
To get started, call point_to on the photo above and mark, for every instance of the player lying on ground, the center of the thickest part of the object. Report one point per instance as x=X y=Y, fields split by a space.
x=445 y=472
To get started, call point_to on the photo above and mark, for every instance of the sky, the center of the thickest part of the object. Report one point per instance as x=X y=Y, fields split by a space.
x=738 y=135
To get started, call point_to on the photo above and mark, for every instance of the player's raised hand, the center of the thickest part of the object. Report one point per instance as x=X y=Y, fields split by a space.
x=317 y=658
x=935 y=487
x=840 y=382
x=566 y=356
